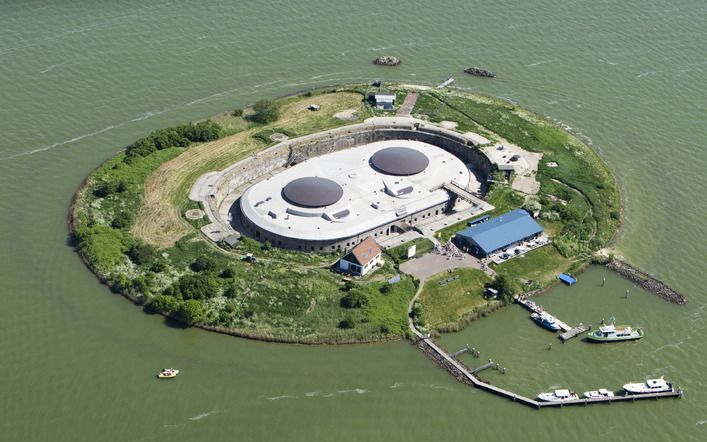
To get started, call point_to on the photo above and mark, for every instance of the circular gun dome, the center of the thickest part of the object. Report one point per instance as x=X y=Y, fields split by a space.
x=399 y=161
x=312 y=192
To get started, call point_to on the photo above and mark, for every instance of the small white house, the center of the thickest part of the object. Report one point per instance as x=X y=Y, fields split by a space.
x=384 y=100
x=362 y=258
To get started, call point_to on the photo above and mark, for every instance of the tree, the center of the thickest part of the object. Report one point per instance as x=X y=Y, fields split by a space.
x=237 y=112
x=189 y=312
x=354 y=299
x=121 y=220
x=266 y=111
x=506 y=285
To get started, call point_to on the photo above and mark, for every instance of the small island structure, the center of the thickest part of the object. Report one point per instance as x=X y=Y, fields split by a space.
x=386 y=60
x=301 y=202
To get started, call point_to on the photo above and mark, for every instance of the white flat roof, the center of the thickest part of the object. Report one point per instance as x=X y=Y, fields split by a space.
x=365 y=198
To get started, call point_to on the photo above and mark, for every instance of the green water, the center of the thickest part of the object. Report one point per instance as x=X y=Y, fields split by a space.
x=80 y=79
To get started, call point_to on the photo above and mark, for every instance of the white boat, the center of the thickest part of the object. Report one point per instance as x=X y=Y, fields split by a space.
x=612 y=333
x=547 y=321
x=558 y=395
x=650 y=386
x=600 y=393
x=168 y=373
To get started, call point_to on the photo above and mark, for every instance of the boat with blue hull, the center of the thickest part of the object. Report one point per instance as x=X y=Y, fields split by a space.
x=546 y=321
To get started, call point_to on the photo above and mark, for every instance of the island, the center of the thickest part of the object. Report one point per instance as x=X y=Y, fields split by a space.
x=336 y=215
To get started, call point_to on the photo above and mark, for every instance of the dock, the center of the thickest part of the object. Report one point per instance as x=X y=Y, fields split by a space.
x=581 y=328
x=536 y=308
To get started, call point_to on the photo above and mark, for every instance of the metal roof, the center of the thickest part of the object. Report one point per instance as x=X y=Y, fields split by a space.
x=567 y=279
x=312 y=192
x=502 y=231
x=399 y=161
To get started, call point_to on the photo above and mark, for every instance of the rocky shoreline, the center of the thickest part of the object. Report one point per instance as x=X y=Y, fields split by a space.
x=443 y=363
x=646 y=281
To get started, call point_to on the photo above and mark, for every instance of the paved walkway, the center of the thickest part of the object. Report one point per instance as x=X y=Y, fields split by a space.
x=408 y=104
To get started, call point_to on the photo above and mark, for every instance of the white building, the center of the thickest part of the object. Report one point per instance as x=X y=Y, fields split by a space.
x=362 y=258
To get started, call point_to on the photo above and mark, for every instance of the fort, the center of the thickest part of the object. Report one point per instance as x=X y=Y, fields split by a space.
x=331 y=190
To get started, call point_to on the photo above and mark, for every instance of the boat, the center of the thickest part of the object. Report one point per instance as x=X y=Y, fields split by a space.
x=546 y=321
x=168 y=373
x=596 y=394
x=612 y=333
x=558 y=395
x=650 y=386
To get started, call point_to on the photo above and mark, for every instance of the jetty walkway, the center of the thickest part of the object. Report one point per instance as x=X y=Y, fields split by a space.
x=464 y=375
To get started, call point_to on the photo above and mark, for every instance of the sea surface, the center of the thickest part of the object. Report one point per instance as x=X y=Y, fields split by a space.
x=80 y=79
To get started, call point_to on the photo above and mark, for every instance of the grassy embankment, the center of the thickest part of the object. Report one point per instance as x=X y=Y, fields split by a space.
x=578 y=200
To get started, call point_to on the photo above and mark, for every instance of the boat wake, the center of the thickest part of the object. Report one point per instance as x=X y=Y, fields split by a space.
x=201 y=416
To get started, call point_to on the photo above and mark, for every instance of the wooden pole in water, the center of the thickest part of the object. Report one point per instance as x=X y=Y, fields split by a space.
x=603 y=280
x=627 y=290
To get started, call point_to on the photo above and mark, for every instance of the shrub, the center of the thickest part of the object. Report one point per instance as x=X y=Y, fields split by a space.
x=227 y=273
x=189 y=312
x=162 y=304
x=122 y=220
x=199 y=286
x=204 y=264
x=347 y=323
x=237 y=112
x=355 y=299
x=141 y=253
x=266 y=111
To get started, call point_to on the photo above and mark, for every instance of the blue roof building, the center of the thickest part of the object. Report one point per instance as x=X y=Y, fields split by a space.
x=499 y=233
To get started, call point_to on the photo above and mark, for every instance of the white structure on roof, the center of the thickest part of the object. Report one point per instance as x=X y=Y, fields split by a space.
x=362 y=259
x=384 y=100
x=338 y=199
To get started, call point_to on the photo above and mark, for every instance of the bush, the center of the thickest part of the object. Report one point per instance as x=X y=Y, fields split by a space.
x=237 y=113
x=227 y=273
x=199 y=286
x=179 y=136
x=355 y=299
x=189 y=312
x=162 y=304
x=266 y=111
x=385 y=288
x=122 y=220
x=203 y=264
x=141 y=253
x=347 y=323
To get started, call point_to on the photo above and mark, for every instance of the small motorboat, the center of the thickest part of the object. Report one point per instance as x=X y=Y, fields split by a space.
x=546 y=321
x=558 y=395
x=596 y=394
x=168 y=373
x=650 y=386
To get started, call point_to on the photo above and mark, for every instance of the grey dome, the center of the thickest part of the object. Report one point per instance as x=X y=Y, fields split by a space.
x=312 y=192
x=399 y=161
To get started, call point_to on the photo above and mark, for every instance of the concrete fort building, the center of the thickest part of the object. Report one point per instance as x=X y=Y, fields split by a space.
x=330 y=191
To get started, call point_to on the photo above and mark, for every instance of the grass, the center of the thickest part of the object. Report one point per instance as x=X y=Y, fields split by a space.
x=541 y=265
x=400 y=253
x=447 y=304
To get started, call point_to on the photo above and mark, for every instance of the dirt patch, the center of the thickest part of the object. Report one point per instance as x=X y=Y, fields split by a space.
x=278 y=136
x=346 y=115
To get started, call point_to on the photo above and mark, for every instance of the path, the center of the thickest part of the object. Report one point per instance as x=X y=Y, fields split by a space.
x=408 y=104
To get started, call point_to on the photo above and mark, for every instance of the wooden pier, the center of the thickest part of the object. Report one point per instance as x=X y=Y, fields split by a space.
x=574 y=332
x=463 y=374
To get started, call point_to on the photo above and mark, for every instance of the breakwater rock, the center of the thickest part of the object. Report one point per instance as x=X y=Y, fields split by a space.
x=646 y=281
x=387 y=60
x=445 y=364
x=479 y=72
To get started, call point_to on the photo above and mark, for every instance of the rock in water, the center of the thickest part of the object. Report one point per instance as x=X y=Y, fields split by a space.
x=387 y=60
x=479 y=72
